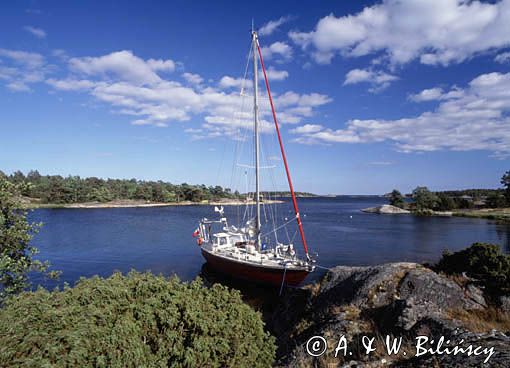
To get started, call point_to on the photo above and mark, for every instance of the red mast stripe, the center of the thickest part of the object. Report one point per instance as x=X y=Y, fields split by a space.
x=294 y=201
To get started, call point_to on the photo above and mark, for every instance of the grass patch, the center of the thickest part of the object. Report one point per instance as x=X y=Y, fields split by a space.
x=482 y=320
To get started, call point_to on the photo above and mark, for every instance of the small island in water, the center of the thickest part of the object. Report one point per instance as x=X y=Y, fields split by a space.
x=492 y=204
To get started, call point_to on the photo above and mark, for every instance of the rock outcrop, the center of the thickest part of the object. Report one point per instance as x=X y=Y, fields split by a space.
x=398 y=300
x=385 y=209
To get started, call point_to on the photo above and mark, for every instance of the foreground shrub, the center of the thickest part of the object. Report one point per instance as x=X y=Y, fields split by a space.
x=481 y=261
x=16 y=250
x=138 y=320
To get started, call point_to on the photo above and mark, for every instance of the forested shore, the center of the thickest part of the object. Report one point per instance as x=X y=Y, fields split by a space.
x=56 y=191
x=59 y=190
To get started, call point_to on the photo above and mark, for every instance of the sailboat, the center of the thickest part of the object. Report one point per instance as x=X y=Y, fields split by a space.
x=240 y=252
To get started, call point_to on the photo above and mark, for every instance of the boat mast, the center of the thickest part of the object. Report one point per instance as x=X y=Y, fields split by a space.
x=256 y=131
x=291 y=187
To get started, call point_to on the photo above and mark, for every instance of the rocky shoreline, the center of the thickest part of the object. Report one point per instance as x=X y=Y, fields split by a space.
x=385 y=209
x=398 y=300
x=502 y=214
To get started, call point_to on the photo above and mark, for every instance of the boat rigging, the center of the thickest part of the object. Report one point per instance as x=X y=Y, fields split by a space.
x=240 y=251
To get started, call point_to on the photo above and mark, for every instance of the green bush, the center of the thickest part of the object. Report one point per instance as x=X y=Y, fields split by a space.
x=397 y=199
x=481 y=261
x=495 y=200
x=138 y=320
x=16 y=250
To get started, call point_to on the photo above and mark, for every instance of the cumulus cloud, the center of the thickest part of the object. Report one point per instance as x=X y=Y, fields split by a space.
x=271 y=26
x=60 y=54
x=427 y=95
x=378 y=79
x=280 y=50
x=307 y=129
x=161 y=65
x=70 y=84
x=123 y=65
x=434 y=31
x=473 y=118
x=503 y=58
x=193 y=78
x=131 y=86
x=275 y=75
x=20 y=69
x=29 y=59
x=231 y=82
x=37 y=32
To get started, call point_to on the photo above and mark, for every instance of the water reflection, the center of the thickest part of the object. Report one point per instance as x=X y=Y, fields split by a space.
x=503 y=231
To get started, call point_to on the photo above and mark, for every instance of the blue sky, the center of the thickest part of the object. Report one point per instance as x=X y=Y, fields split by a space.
x=371 y=95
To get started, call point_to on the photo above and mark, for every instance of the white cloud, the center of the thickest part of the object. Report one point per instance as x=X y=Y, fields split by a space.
x=18 y=86
x=19 y=69
x=434 y=31
x=37 y=32
x=231 y=82
x=123 y=65
x=292 y=98
x=275 y=75
x=473 y=118
x=307 y=129
x=29 y=59
x=60 y=54
x=193 y=78
x=378 y=79
x=153 y=100
x=427 y=95
x=436 y=94
x=272 y=26
x=70 y=84
x=503 y=58
x=277 y=49
x=161 y=65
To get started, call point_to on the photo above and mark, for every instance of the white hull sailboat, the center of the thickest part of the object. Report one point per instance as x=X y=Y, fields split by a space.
x=240 y=252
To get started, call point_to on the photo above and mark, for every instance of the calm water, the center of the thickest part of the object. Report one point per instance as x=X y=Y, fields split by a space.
x=85 y=242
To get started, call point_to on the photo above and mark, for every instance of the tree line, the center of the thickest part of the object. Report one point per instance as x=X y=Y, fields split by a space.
x=424 y=199
x=74 y=189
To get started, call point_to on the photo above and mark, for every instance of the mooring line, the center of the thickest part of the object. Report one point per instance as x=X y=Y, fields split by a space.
x=283 y=279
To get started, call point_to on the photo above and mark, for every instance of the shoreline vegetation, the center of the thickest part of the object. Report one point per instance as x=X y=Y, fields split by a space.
x=490 y=204
x=131 y=203
x=498 y=214
x=56 y=191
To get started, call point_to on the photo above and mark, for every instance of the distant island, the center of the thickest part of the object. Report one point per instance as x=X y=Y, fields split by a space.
x=283 y=194
x=491 y=204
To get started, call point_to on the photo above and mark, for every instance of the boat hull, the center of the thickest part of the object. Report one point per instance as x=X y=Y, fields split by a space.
x=253 y=273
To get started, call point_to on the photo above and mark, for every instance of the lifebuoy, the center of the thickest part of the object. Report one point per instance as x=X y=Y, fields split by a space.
x=200 y=241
